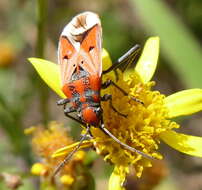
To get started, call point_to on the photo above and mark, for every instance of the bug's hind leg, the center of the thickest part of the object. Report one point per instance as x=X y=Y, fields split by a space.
x=127 y=147
x=107 y=97
x=110 y=82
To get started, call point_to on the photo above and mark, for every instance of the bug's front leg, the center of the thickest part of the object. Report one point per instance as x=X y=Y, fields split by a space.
x=107 y=83
x=69 y=110
x=110 y=82
x=63 y=101
x=108 y=97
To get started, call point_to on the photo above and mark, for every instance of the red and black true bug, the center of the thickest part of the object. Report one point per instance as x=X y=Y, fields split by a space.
x=79 y=53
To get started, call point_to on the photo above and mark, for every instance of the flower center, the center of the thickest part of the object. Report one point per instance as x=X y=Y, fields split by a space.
x=139 y=129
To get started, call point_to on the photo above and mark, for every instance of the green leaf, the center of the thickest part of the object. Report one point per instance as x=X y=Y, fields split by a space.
x=178 y=44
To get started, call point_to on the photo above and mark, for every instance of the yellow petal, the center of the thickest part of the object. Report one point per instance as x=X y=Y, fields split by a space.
x=147 y=63
x=116 y=181
x=106 y=60
x=185 y=102
x=184 y=143
x=39 y=169
x=127 y=74
x=50 y=73
x=67 y=149
x=106 y=63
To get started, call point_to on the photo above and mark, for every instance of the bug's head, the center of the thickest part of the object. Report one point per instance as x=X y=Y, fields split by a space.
x=91 y=115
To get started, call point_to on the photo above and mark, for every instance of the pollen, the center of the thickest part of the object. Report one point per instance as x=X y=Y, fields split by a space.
x=44 y=142
x=139 y=129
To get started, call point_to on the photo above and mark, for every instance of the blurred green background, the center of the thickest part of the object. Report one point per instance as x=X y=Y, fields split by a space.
x=32 y=29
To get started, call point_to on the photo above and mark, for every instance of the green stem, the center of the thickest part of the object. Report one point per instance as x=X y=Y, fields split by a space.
x=43 y=90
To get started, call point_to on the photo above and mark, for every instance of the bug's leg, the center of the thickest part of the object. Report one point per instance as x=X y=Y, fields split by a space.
x=69 y=110
x=125 y=59
x=63 y=101
x=108 y=133
x=69 y=156
x=75 y=119
x=107 y=97
x=110 y=82
x=90 y=134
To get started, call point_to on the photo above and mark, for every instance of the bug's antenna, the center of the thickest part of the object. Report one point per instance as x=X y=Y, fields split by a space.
x=69 y=156
x=107 y=132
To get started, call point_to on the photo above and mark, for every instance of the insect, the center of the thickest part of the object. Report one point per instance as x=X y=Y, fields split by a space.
x=79 y=54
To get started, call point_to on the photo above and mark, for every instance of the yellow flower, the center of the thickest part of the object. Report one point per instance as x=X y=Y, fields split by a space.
x=7 y=54
x=39 y=169
x=150 y=178
x=44 y=143
x=67 y=179
x=145 y=125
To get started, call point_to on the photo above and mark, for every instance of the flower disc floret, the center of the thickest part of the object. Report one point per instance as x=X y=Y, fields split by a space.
x=140 y=128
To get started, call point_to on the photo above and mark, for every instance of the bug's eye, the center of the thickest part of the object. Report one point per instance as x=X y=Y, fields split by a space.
x=91 y=48
x=74 y=65
x=65 y=57
x=82 y=62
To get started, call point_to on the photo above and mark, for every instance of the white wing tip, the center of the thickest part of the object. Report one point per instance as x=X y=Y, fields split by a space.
x=81 y=23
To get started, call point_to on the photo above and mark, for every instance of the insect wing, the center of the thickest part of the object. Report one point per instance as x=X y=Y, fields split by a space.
x=80 y=46
x=66 y=56
x=91 y=45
